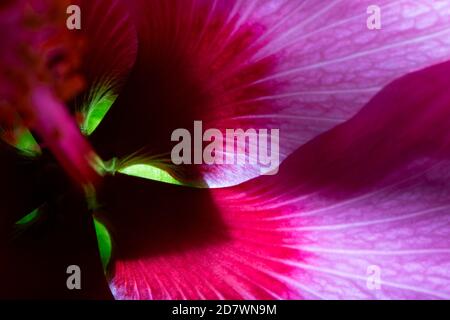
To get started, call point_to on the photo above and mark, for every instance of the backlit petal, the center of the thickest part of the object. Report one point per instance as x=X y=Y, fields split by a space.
x=371 y=194
x=299 y=66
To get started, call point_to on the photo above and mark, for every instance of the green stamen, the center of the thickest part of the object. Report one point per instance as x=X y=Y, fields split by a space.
x=104 y=243
x=27 y=144
x=149 y=172
x=97 y=110
x=29 y=218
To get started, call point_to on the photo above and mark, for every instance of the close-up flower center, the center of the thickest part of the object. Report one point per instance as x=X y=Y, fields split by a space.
x=224 y=149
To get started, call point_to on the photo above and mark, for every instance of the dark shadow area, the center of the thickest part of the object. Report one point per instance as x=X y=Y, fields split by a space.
x=34 y=258
x=20 y=190
x=149 y=218
x=34 y=265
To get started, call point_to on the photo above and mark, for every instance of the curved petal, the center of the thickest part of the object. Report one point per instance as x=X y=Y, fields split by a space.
x=361 y=212
x=299 y=66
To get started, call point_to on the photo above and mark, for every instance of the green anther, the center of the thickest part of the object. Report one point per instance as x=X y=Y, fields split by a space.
x=28 y=144
x=104 y=243
x=29 y=218
x=97 y=110
x=149 y=172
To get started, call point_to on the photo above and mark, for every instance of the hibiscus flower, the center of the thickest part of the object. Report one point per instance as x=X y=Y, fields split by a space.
x=359 y=208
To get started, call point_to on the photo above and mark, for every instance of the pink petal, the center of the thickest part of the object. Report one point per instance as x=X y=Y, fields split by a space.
x=299 y=66
x=374 y=191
